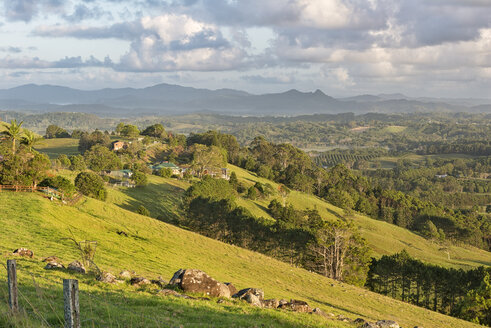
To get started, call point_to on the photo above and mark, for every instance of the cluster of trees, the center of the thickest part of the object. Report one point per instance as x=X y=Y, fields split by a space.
x=464 y=294
x=302 y=238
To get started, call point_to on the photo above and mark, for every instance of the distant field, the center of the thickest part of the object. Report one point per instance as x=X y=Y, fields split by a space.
x=57 y=146
x=394 y=129
x=153 y=248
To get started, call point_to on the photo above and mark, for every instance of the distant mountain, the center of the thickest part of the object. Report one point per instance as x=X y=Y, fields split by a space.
x=175 y=99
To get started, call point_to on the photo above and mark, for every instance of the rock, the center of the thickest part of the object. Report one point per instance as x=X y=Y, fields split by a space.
x=139 y=281
x=369 y=325
x=107 y=278
x=232 y=288
x=52 y=259
x=23 y=252
x=126 y=275
x=255 y=291
x=197 y=281
x=253 y=299
x=77 y=267
x=343 y=318
x=320 y=312
x=159 y=282
x=387 y=324
x=359 y=321
x=54 y=265
x=271 y=303
x=282 y=302
x=176 y=278
x=297 y=306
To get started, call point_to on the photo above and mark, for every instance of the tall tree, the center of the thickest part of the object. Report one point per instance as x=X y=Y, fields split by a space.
x=30 y=139
x=13 y=132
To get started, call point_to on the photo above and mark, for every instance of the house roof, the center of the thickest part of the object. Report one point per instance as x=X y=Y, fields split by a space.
x=165 y=165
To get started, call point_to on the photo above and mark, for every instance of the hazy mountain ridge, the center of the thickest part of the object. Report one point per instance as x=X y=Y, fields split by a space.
x=175 y=99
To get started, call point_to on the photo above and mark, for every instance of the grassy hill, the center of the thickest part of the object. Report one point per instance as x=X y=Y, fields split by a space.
x=154 y=248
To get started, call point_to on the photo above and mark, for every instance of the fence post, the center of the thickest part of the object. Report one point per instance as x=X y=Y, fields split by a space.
x=72 y=307
x=12 y=281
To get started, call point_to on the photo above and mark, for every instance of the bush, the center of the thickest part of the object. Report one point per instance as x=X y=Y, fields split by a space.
x=142 y=210
x=60 y=183
x=77 y=163
x=165 y=172
x=139 y=178
x=90 y=184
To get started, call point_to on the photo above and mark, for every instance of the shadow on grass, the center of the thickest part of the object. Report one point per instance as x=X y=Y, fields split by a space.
x=106 y=306
x=162 y=200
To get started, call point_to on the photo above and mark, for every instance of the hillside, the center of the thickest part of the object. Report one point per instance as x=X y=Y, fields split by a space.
x=154 y=248
x=162 y=198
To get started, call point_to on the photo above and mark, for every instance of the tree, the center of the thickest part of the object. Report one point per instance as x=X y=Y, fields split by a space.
x=207 y=158
x=13 y=132
x=30 y=139
x=91 y=184
x=64 y=161
x=139 y=178
x=54 y=131
x=119 y=128
x=130 y=131
x=99 y=158
x=87 y=141
x=429 y=230
x=476 y=306
x=234 y=182
x=60 y=183
x=156 y=131
x=77 y=163
x=165 y=172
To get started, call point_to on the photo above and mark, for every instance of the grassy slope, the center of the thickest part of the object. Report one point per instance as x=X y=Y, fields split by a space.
x=154 y=248
x=384 y=238
x=55 y=147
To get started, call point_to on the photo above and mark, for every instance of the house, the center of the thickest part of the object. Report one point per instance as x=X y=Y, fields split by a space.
x=176 y=170
x=117 y=145
x=121 y=173
x=441 y=176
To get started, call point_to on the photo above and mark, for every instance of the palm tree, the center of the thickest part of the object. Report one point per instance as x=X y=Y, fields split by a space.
x=13 y=132
x=30 y=139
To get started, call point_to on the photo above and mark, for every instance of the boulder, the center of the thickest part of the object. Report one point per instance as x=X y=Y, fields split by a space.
x=232 y=288
x=255 y=291
x=23 y=252
x=54 y=265
x=282 y=302
x=369 y=325
x=321 y=313
x=107 y=278
x=387 y=324
x=271 y=303
x=159 y=282
x=253 y=299
x=360 y=321
x=126 y=275
x=343 y=318
x=197 y=281
x=52 y=259
x=139 y=281
x=176 y=278
x=77 y=267
x=168 y=292
x=297 y=306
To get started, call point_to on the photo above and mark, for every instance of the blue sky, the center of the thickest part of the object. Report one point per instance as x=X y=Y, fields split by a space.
x=436 y=48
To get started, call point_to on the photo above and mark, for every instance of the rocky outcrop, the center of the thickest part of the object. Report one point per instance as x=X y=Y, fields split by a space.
x=139 y=281
x=322 y=313
x=387 y=324
x=271 y=303
x=197 y=281
x=297 y=306
x=54 y=265
x=159 y=282
x=254 y=296
x=76 y=266
x=52 y=259
x=23 y=252
x=126 y=275
x=232 y=288
x=107 y=278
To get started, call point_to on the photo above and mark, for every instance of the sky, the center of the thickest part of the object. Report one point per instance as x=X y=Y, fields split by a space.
x=437 y=48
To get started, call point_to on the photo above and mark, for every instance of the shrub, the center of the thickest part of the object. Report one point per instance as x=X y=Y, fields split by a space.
x=139 y=178
x=165 y=172
x=90 y=184
x=60 y=183
x=142 y=210
x=77 y=163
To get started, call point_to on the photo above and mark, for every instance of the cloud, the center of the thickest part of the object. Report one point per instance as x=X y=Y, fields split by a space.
x=67 y=62
x=275 y=79
x=14 y=50
x=26 y=10
x=82 y=12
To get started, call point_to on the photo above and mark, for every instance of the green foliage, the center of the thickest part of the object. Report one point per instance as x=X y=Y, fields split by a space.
x=13 y=132
x=64 y=161
x=30 y=139
x=139 y=178
x=207 y=159
x=476 y=305
x=22 y=168
x=155 y=130
x=142 y=210
x=60 y=183
x=100 y=158
x=54 y=131
x=216 y=189
x=91 y=184
x=165 y=172
x=87 y=141
x=130 y=131
x=252 y=193
x=77 y=163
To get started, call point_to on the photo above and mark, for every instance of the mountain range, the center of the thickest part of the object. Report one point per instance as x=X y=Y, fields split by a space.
x=174 y=99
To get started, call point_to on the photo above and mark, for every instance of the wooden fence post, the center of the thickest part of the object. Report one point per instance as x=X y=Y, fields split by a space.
x=12 y=281
x=72 y=307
